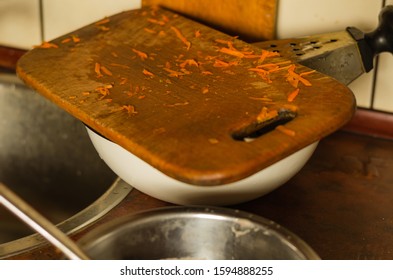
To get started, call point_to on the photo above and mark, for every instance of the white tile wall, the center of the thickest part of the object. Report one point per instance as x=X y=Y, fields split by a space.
x=61 y=17
x=20 y=23
x=307 y=17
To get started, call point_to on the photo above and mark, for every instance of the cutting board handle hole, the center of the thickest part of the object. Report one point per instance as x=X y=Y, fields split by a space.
x=256 y=129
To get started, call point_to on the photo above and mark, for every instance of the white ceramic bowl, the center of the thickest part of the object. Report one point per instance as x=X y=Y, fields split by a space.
x=153 y=182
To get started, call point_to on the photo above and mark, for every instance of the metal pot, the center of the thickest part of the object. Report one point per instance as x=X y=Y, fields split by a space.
x=194 y=233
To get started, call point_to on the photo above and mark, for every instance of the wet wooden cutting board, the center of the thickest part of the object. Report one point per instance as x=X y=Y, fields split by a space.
x=182 y=96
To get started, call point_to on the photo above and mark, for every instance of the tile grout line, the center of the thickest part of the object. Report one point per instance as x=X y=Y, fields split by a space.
x=375 y=76
x=374 y=83
x=41 y=11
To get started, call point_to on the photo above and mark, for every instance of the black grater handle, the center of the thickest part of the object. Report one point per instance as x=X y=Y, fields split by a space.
x=378 y=41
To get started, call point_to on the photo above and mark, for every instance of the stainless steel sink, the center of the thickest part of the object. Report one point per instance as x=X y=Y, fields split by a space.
x=47 y=158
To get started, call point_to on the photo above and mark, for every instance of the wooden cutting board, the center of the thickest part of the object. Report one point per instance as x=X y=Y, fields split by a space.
x=182 y=96
x=252 y=20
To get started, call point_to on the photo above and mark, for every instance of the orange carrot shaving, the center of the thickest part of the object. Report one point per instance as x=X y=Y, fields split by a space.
x=265 y=54
x=286 y=131
x=181 y=37
x=213 y=141
x=67 y=40
x=123 y=81
x=47 y=45
x=114 y=54
x=265 y=75
x=177 y=104
x=103 y=21
x=222 y=41
x=173 y=73
x=103 y=90
x=232 y=52
x=221 y=63
x=147 y=73
x=130 y=109
x=293 y=78
x=165 y=18
x=207 y=73
x=307 y=73
x=272 y=67
x=293 y=95
x=106 y=71
x=103 y=28
x=155 y=21
x=151 y=31
x=210 y=57
x=266 y=115
x=197 y=34
x=185 y=71
x=205 y=90
x=75 y=39
x=97 y=69
x=142 y=55
x=279 y=69
x=190 y=62
x=86 y=93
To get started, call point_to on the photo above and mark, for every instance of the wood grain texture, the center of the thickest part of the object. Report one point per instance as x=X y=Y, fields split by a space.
x=175 y=115
x=252 y=20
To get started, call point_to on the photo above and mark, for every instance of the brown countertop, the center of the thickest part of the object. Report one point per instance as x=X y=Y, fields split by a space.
x=340 y=203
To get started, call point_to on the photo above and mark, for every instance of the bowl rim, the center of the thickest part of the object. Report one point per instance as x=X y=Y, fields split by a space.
x=99 y=233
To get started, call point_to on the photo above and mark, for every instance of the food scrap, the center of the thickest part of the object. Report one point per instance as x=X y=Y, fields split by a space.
x=213 y=140
x=265 y=75
x=232 y=52
x=148 y=73
x=97 y=69
x=103 y=21
x=100 y=24
x=47 y=45
x=103 y=90
x=265 y=54
x=73 y=38
x=181 y=37
x=151 y=31
x=265 y=114
x=130 y=109
x=293 y=95
x=293 y=78
x=190 y=62
x=100 y=70
x=141 y=54
x=155 y=21
x=173 y=73
x=66 y=40
x=106 y=71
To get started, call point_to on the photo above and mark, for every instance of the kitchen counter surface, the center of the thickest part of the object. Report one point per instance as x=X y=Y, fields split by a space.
x=340 y=203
